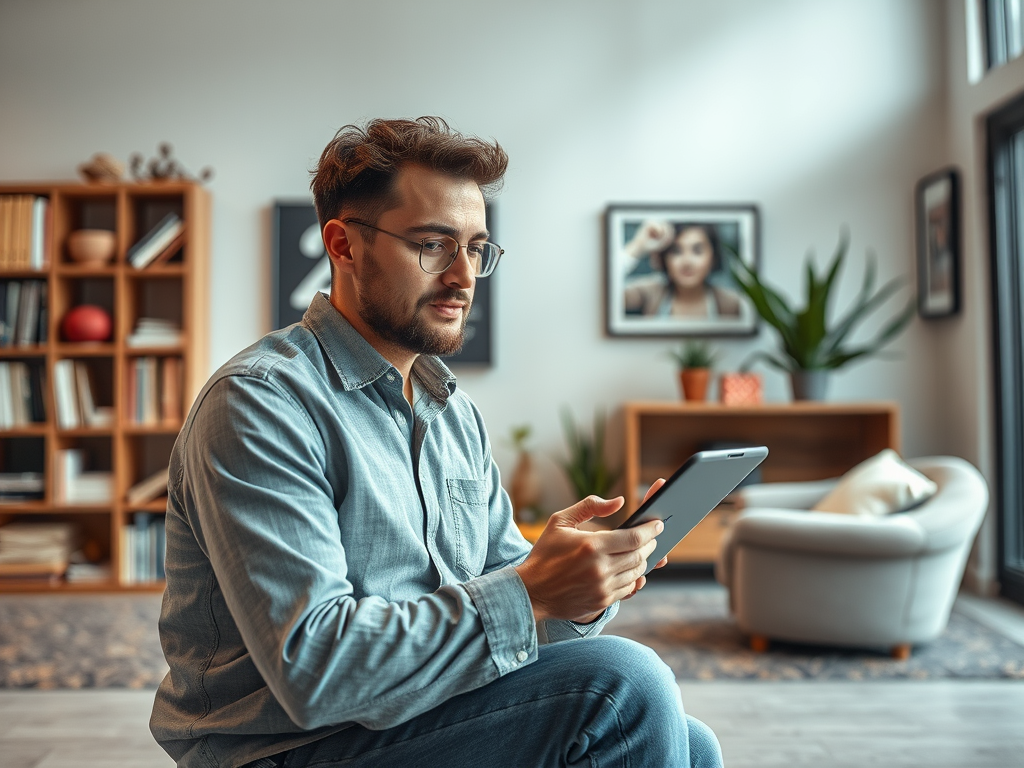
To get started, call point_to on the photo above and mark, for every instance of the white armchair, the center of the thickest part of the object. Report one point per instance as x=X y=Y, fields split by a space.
x=820 y=577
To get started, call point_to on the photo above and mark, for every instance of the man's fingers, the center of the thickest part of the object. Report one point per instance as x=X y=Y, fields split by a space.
x=656 y=485
x=590 y=507
x=629 y=539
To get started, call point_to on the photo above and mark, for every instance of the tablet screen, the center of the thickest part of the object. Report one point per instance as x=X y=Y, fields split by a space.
x=696 y=488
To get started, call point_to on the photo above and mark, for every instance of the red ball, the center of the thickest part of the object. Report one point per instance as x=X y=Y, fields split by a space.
x=87 y=323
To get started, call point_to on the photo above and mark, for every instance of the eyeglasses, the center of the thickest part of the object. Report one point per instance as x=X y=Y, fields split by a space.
x=437 y=254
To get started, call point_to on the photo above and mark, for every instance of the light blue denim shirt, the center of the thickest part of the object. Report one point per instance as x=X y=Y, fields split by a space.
x=333 y=555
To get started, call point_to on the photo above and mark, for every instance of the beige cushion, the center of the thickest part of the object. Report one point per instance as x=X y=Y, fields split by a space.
x=879 y=486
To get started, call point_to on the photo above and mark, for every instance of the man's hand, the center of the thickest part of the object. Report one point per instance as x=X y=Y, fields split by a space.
x=575 y=574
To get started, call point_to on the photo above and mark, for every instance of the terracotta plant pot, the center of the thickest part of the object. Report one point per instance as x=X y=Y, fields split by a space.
x=694 y=382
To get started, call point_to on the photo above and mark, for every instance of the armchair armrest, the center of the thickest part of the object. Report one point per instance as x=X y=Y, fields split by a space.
x=829 y=534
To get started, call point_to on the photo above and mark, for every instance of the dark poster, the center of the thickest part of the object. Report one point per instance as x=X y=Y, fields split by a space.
x=300 y=268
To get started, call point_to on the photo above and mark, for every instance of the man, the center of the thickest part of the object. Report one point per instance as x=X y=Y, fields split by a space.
x=345 y=584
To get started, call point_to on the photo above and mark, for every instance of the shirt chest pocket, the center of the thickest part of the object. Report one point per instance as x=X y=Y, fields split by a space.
x=467 y=501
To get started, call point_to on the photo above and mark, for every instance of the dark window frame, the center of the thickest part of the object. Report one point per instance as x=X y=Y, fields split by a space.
x=1006 y=234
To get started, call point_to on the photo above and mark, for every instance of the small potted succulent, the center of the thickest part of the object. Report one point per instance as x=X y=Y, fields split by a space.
x=695 y=359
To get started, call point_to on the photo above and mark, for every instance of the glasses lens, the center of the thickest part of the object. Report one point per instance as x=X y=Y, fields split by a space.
x=489 y=253
x=437 y=254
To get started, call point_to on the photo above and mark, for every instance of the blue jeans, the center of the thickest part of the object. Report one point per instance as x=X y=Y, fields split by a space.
x=604 y=701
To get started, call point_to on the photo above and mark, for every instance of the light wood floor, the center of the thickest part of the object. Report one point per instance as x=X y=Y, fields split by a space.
x=902 y=724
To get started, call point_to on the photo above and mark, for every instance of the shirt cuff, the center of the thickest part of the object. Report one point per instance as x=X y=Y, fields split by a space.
x=555 y=631
x=507 y=616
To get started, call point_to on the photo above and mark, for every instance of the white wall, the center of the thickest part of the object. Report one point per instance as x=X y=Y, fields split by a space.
x=823 y=113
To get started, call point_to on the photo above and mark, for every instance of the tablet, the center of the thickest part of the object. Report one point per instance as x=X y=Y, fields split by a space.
x=695 y=489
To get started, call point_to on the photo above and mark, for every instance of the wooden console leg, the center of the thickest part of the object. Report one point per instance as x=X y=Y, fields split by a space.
x=758 y=643
x=901 y=652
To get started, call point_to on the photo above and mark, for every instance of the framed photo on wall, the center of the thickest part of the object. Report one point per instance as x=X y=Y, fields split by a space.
x=300 y=267
x=666 y=273
x=938 y=244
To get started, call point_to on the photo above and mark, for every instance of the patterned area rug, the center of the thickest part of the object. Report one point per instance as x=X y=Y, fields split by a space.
x=110 y=641
x=690 y=628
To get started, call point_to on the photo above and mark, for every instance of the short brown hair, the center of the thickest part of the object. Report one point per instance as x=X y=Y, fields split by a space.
x=358 y=167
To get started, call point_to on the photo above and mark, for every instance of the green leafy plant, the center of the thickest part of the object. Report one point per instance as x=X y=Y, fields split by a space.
x=809 y=341
x=694 y=354
x=586 y=468
x=519 y=435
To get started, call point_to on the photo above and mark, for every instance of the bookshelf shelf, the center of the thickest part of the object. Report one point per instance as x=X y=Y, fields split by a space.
x=142 y=430
x=85 y=349
x=121 y=452
x=159 y=505
x=33 y=350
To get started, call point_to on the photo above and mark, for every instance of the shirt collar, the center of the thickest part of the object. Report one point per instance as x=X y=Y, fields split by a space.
x=358 y=364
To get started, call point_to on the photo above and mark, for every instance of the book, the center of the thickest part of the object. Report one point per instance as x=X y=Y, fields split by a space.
x=83 y=387
x=64 y=394
x=6 y=396
x=11 y=319
x=154 y=242
x=149 y=488
x=155 y=332
x=6 y=216
x=28 y=314
x=170 y=389
x=40 y=221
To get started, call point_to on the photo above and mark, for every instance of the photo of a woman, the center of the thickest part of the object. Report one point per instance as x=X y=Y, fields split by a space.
x=683 y=256
x=667 y=272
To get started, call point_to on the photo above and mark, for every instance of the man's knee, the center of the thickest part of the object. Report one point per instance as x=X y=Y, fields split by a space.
x=629 y=667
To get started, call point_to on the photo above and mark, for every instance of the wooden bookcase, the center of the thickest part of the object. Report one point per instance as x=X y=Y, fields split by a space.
x=806 y=441
x=176 y=290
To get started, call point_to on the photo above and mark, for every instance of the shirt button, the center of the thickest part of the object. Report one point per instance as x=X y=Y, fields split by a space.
x=390 y=377
x=522 y=656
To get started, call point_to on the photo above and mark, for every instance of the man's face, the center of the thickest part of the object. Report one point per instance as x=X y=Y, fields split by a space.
x=402 y=304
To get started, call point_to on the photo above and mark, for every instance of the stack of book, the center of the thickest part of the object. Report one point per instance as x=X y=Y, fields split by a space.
x=73 y=485
x=24 y=231
x=142 y=547
x=17 y=487
x=148 y=489
x=21 y=393
x=73 y=394
x=22 y=313
x=155 y=332
x=159 y=244
x=35 y=551
x=154 y=390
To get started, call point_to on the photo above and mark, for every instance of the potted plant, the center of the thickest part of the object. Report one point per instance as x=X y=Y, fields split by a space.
x=586 y=468
x=812 y=346
x=695 y=359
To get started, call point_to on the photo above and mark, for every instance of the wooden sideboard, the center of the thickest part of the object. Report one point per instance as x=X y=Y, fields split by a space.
x=806 y=441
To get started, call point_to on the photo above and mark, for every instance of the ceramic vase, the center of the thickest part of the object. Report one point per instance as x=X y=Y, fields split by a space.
x=524 y=489
x=810 y=385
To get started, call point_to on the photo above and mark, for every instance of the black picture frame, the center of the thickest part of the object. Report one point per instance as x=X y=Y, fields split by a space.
x=937 y=209
x=641 y=296
x=300 y=267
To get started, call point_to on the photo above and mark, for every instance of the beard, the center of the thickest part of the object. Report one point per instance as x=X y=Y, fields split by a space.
x=384 y=312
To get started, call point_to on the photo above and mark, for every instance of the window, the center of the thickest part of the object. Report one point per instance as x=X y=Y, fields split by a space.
x=1004 y=30
x=1006 y=179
